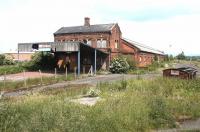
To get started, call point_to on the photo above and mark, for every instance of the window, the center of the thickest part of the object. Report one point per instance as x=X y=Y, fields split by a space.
x=140 y=59
x=101 y=43
x=116 y=44
x=144 y=58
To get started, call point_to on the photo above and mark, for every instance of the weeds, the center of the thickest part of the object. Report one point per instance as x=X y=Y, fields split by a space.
x=144 y=105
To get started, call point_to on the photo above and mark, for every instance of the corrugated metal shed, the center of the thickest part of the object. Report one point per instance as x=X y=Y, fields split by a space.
x=144 y=47
x=182 y=72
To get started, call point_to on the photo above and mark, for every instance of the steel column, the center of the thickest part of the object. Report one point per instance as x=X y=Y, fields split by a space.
x=79 y=66
x=95 y=61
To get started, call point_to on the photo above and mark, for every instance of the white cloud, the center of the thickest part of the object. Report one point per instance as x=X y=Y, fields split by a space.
x=180 y=32
x=37 y=20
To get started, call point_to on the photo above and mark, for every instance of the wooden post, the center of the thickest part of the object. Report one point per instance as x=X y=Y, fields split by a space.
x=55 y=73
x=83 y=69
x=91 y=70
x=66 y=73
x=4 y=80
x=75 y=72
x=25 y=84
x=79 y=64
x=41 y=82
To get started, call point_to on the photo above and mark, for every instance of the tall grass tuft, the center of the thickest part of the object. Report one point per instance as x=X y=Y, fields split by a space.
x=143 y=106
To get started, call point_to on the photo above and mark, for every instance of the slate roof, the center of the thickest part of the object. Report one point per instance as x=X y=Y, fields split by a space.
x=144 y=48
x=85 y=29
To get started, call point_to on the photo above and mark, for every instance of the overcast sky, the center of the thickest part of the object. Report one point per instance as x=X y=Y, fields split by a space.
x=169 y=25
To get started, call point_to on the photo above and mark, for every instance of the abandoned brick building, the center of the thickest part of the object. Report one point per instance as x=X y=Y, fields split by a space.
x=93 y=45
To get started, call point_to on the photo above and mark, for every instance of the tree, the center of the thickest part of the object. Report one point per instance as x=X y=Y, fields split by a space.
x=41 y=60
x=181 y=56
x=5 y=60
x=2 y=58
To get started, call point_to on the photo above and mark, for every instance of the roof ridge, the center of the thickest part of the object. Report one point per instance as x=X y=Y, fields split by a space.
x=142 y=45
x=90 y=25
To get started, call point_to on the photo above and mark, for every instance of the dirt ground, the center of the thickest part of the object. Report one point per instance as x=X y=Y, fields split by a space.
x=21 y=76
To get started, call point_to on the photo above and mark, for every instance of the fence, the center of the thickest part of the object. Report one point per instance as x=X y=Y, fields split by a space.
x=31 y=79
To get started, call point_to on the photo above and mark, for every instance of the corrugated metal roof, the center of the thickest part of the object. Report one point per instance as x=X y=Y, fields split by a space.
x=144 y=47
x=85 y=29
x=54 y=46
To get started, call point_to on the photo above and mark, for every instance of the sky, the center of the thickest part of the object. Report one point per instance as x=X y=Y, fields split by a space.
x=172 y=26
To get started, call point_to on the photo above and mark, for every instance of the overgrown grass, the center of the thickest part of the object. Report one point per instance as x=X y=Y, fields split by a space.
x=11 y=69
x=155 y=67
x=14 y=85
x=135 y=105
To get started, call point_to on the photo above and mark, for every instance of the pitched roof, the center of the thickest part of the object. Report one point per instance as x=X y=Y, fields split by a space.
x=85 y=29
x=144 y=48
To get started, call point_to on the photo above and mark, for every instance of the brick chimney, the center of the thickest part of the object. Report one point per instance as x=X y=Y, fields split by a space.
x=87 y=21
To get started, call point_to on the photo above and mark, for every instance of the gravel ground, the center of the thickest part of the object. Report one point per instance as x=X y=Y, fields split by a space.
x=190 y=125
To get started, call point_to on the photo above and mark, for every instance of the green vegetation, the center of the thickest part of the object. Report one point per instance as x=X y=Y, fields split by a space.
x=155 y=67
x=42 y=61
x=130 y=60
x=11 y=69
x=119 y=65
x=142 y=105
x=181 y=56
x=5 y=60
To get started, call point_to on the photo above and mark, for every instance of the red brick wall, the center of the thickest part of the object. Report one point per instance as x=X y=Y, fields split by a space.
x=111 y=38
x=127 y=48
x=145 y=59
x=142 y=59
x=80 y=37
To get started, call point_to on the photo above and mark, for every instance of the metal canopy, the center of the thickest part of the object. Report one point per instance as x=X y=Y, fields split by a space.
x=65 y=46
x=70 y=46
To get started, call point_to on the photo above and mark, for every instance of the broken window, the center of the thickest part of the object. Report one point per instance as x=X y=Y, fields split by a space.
x=101 y=43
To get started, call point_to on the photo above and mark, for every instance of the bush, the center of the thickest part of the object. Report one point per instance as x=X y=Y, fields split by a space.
x=132 y=63
x=4 y=60
x=11 y=69
x=41 y=60
x=119 y=65
x=93 y=92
